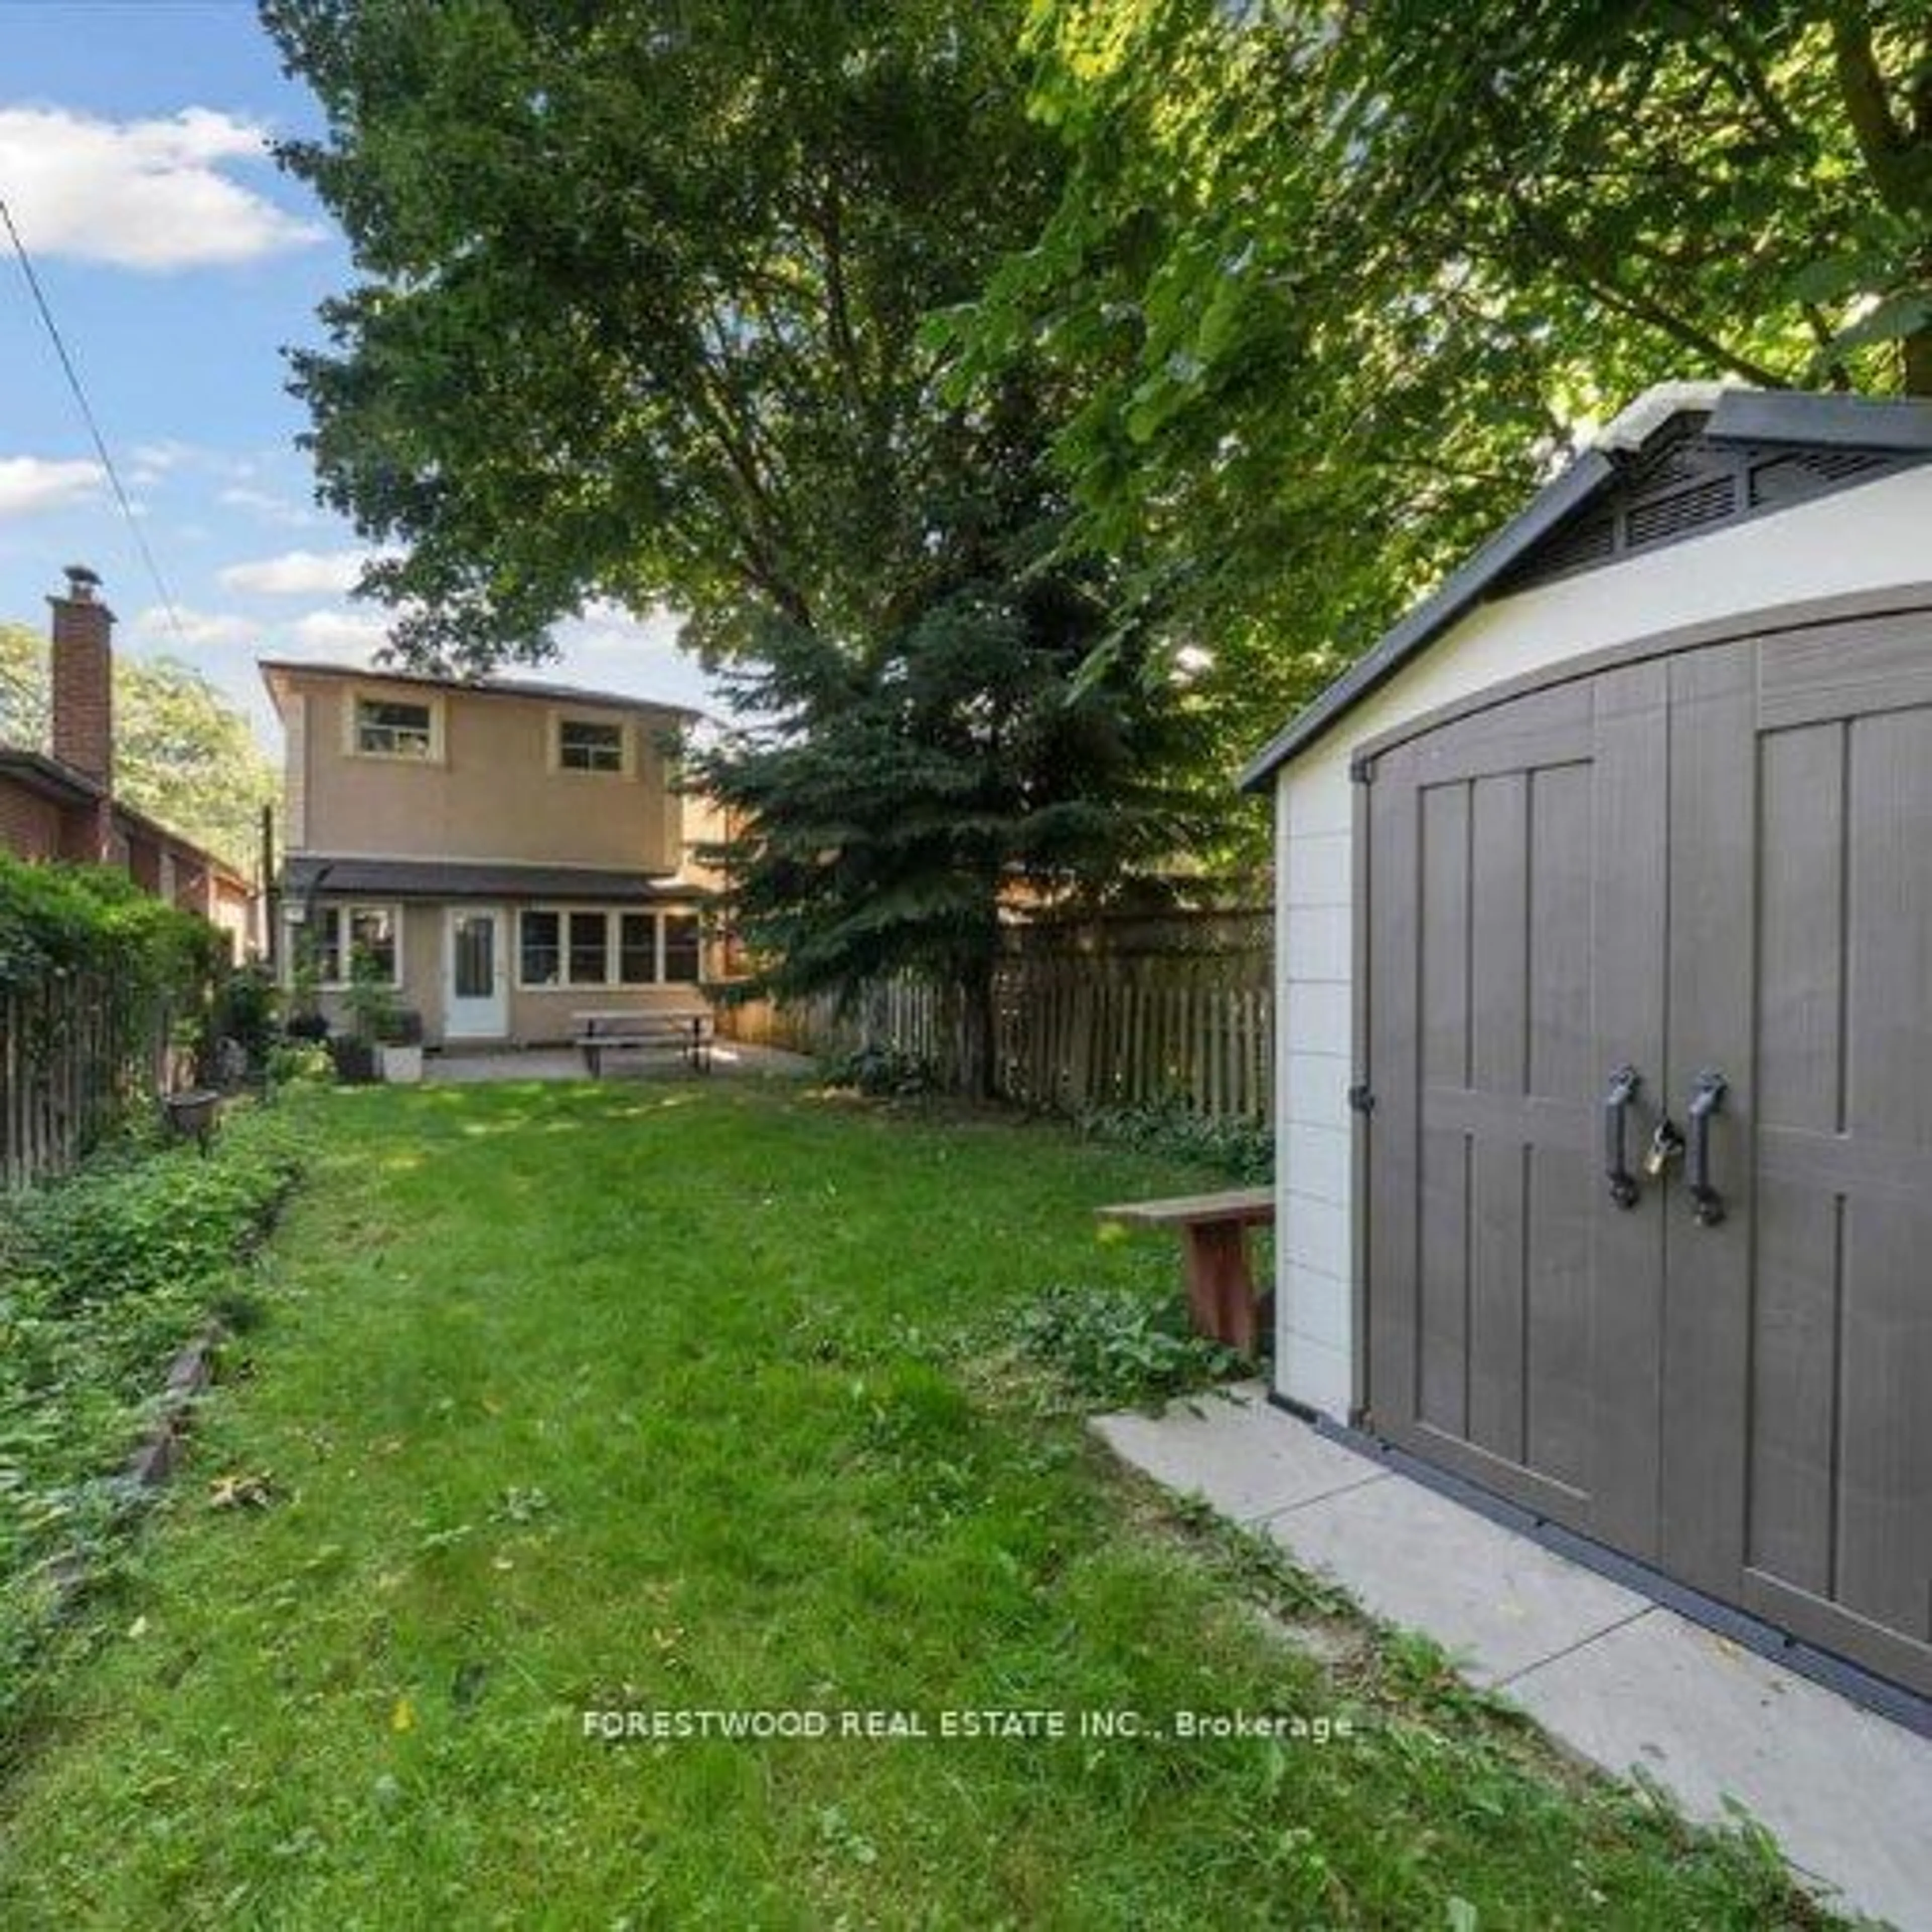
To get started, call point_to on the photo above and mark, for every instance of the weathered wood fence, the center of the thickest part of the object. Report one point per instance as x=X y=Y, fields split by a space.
x=1165 y=1010
x=71 y=1058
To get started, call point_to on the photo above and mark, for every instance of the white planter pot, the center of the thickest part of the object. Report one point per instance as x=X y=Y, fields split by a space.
x=401 y=1065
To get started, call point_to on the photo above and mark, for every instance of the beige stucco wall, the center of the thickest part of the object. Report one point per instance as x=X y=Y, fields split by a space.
x=492 y=795
x=1864 y=538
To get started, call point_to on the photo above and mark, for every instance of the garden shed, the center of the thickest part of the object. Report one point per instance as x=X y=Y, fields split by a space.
x=1604 y=947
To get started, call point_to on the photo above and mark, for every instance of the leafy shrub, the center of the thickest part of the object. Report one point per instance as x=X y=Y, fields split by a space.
x=1244 y=1150
x=69 y=918
x=881 y=1070
x=296 y=1059
x=1119 y=1349
x=127 y=963
x=122 y=1229
x=245 y=1005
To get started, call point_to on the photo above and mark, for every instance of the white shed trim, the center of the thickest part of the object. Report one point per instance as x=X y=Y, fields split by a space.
x=1871 y=537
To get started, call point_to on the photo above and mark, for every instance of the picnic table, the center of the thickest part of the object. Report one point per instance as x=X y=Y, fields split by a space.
x=1214 y=1254
x=687 y=1030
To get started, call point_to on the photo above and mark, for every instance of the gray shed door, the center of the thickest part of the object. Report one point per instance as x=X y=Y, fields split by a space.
x=1718 y=863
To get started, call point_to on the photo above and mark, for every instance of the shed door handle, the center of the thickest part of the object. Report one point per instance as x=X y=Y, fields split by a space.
x=1707 y=1096
x=1622 y=1090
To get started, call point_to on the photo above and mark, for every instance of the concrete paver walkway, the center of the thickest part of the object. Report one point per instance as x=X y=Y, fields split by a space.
x=562 y=1063
x=1614 y=1676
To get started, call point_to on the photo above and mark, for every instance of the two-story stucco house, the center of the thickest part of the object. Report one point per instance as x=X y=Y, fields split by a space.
x=510 y=854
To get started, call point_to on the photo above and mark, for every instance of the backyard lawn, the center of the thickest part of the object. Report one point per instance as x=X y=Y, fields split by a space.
x=664 y=1399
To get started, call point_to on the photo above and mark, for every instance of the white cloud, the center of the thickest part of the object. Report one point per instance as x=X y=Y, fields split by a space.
x=32 y=483
x=142 y=194
x=265 y=505
x=608 y=648
x=157 y=459
x=202 y=629
x=299 y=573
x=323 y=634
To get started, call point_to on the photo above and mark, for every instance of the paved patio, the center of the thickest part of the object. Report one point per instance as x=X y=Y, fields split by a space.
x=728 y=1058
x=1613 y=1676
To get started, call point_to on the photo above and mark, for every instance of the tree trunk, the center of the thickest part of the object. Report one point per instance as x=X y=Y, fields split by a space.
x=976 y=1032
x=1918 y=363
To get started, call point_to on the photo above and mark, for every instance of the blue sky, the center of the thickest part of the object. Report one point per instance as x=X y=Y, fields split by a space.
x=178 y=261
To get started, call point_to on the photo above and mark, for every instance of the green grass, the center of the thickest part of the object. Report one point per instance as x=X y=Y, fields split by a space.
x=664 y=1397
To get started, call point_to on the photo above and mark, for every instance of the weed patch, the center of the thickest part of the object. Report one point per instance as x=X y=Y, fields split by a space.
x=1242 y=1150
x=107 y=1275
x=1119 y=1348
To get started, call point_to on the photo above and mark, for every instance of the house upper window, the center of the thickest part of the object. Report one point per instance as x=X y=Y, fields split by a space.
x=585 y=745
x=388 y=727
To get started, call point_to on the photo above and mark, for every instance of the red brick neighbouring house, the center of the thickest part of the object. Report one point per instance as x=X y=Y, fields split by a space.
x=61 y=804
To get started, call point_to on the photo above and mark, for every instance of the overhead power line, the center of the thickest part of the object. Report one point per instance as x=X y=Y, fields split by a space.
x=74 y=383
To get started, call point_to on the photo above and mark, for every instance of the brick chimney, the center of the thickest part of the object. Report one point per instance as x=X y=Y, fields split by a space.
x=83 y=678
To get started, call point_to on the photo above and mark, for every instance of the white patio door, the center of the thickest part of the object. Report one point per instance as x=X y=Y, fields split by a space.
x=476 y=979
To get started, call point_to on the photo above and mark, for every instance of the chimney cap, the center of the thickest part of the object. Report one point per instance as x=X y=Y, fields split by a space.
x=82 y=582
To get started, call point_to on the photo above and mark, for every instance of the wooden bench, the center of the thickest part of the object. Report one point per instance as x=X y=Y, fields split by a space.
x=1214 y=1254
x=688 y=1031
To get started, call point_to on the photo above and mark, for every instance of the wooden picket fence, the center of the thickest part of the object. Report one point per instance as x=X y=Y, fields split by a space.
x=1165 y=1010
x=71 y=1061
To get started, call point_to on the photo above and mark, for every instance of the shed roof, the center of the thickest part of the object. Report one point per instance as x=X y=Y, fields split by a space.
x=1892 y=434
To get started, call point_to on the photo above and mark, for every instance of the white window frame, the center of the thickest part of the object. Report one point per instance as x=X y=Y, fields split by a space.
x=344 y=912
x=561 y=982
x=613 y=917
x=626 y=766
x=429 y=701
x=664 y=945
x=567 y=948
x=657 y=978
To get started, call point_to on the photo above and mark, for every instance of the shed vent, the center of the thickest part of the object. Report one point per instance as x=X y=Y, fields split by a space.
x=1799 y=473
x=1684 y=484
x=1660 y=518
x=1588 y=541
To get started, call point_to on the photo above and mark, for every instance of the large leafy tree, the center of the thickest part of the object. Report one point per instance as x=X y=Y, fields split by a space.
x=182 y=753
x=1336 y=286
x=642 y=286
x=641 y=318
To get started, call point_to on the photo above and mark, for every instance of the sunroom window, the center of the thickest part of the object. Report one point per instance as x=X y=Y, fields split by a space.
x=589 y=938
x=540 y=949
x=342 y=933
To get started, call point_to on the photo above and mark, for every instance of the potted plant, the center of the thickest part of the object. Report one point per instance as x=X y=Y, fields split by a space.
x=306 y=1020
x=372 y=1009
x=399 y=1054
